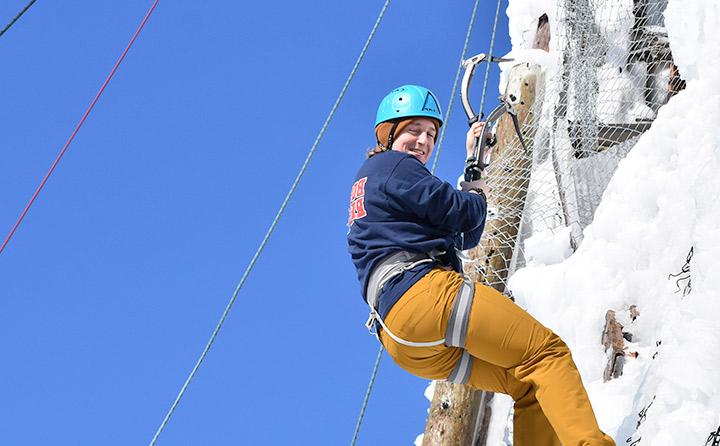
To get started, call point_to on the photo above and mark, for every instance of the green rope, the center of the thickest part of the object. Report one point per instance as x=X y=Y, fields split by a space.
x=367 y=396
x=455 y=85
x=17 y=17
x=490 y=53
x=271 y=229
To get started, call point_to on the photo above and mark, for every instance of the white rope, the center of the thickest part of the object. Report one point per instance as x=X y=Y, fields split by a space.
x=376 y=317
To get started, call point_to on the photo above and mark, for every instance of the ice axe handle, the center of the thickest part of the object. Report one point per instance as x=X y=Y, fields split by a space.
x=475 y=164
x=472 y=170
x=471 y=121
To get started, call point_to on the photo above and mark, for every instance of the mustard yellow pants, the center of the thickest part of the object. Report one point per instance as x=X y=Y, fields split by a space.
x=512 y=354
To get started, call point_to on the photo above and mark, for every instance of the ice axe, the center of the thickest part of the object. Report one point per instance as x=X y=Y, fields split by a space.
x=480 y=159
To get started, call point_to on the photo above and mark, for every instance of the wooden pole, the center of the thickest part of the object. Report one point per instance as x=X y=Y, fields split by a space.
x=451 y=420
x=460 y=415
x=508 y=177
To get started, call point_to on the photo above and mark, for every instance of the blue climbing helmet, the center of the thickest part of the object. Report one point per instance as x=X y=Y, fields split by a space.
x=409 y=101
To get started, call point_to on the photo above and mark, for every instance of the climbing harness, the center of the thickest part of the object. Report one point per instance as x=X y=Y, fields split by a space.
x=456 y=331
x=481 y=154
x=388 y=268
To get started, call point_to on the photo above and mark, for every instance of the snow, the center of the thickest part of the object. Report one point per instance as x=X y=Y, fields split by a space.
x=548 y=247
x=524 y=18
x=690 y=29
x=663 y=200
x=546 y=60
x=430 y=391
x=620 y=91
x=654 y=242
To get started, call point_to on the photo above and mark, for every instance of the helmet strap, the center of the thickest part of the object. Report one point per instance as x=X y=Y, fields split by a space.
x=391 y=136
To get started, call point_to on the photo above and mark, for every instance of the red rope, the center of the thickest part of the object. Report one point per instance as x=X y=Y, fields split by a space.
x=77 y=127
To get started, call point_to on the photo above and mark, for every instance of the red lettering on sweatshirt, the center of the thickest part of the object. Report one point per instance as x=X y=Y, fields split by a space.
x=358 y=189
x=357 y=201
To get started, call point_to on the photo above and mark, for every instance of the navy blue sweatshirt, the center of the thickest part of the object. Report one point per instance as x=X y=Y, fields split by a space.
x=396 y=204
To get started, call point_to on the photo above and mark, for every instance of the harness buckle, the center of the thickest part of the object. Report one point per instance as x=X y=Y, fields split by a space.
x=370 y=323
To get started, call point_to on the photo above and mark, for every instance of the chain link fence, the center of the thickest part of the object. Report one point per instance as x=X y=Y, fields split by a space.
x=613 y=70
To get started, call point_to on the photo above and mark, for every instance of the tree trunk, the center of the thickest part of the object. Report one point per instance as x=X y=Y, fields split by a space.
x=459 y=415
x=451 y=420
x=508 y=177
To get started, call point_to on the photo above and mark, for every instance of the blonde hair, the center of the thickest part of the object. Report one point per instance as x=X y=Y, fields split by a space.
x=375 y=150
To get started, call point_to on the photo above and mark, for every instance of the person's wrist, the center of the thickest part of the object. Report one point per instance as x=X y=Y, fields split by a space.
x=480 y=192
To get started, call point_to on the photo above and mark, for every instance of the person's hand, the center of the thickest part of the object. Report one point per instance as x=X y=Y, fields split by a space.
x=485 y=188
x=475 y=186
x=476 y=131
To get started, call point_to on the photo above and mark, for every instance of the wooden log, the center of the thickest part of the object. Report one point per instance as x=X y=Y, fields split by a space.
x=451 y=420
x=613 y=339
x=458 y=414
x=508 y=177
x=634 y=312
x=542 y=34
x=614 y=343
x=676 y=82
x=482 y=420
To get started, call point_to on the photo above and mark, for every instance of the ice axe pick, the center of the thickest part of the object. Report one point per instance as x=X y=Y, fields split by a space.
x=480 y=159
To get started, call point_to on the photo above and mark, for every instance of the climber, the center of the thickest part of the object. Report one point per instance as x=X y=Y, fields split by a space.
x=405 y=225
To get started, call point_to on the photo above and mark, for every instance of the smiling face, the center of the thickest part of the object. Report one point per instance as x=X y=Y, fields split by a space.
x=417 y=139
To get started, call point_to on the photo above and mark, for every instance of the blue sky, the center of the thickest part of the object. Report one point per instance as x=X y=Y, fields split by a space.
x=112 y=285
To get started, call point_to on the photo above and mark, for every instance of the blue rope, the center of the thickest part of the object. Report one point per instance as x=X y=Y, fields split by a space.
x=271 y=229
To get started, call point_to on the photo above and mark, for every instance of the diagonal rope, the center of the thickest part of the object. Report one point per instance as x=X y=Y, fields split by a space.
x=77 y=127
x=17 y=17
x=490 y=54
x=367 y=396
x=455 y=85
x=272 y=227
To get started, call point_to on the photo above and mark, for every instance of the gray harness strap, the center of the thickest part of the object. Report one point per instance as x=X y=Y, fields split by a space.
x=458 y=322
x=457 y=327
x=463 y=369
x=393 y=265
x=456 y=332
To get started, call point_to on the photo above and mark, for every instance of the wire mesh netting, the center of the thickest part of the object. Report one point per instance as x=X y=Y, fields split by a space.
x=612 y=70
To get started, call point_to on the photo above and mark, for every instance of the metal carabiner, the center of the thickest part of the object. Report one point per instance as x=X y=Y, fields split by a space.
x=480 y=158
